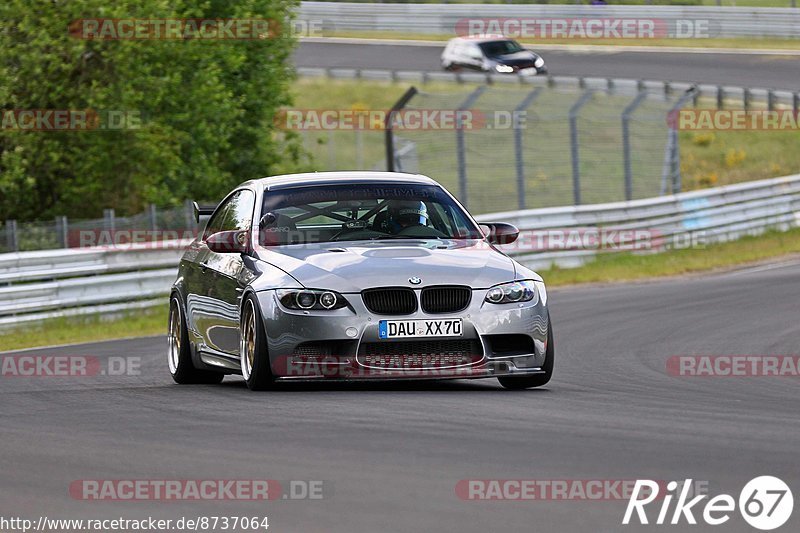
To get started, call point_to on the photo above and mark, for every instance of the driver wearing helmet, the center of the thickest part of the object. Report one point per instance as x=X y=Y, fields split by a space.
x=404 y=214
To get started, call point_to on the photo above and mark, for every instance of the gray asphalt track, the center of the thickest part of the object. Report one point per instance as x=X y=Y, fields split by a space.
x=391 y=455
x=763 y=71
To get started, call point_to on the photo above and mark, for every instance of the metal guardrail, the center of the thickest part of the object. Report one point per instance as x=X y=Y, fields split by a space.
x=53 y=283
x=441 y=19
x=46 y=284
x=656 y=224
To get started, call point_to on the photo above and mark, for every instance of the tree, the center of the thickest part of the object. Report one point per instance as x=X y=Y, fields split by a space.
x=204 y=107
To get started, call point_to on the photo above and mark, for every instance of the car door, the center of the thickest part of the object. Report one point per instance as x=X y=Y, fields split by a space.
x=216 y=307
x=473 y=56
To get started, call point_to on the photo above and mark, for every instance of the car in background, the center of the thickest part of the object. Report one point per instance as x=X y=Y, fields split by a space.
x=491 y=54
x=352 y=276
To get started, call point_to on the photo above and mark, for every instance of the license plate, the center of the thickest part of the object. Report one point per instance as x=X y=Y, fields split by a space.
x=398 y=329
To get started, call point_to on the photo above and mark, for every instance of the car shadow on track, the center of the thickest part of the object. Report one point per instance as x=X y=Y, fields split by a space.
x=464 y=385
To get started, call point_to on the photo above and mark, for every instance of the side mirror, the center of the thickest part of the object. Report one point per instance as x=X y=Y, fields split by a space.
x=501 y=233
x=228 y=242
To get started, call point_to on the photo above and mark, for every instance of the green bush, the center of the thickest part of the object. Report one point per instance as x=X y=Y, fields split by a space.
x=206 y=107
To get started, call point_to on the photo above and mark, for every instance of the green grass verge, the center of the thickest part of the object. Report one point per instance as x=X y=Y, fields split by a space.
x=69 y=330
x=626 y=266
x=612 y=267
x=747 y=43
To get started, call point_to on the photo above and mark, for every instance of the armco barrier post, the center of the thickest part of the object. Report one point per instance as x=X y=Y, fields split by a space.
x=521 y=108
x=573 y=139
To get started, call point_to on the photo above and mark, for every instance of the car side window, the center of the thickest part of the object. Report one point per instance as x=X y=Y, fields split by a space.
x=236 y=213
x=240 y=215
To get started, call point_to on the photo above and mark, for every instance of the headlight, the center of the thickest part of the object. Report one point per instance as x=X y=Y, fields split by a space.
x=539 y=63
x=514 y=292
x=504 y=68
x=311 y=299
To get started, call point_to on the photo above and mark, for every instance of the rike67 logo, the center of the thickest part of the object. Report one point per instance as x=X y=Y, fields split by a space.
x=765 y=503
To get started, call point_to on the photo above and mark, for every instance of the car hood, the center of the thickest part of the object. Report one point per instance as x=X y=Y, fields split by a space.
x=517 y=59
x=349 y=267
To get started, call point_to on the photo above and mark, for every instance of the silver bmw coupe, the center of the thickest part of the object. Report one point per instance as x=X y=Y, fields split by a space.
x=354 y=276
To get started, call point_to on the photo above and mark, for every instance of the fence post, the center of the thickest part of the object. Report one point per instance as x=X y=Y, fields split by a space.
x=746 y=99
x=12 y=242
x=461 y=154
x=62 y=231
x=188 y=214
x=672 y=166
x=626 y=142
x=526 y=102
x=796 y=103
x=770 y=99
x=153 y=216
x=573 y=139
x=720 y=97
x=109 y=220
x=388 y=135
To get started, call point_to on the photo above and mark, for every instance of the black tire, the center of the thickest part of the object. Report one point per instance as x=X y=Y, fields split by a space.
x=179 y=352
x=253 y=355
x=537 y=380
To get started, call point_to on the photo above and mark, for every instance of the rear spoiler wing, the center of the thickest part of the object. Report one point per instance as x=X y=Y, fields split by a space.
x=202 y=210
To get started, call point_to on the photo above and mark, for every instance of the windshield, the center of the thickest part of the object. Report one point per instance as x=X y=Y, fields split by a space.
x=500 y=48
x=362 y=212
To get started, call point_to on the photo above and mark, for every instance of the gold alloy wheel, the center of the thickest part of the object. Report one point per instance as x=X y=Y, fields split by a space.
x=247 y=345
x=174 y=337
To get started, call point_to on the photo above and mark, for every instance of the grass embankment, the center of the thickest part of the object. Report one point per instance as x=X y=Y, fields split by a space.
x=628 y=267
x=68 y=330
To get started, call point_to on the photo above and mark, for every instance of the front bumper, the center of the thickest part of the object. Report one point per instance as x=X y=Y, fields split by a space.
x=342 y=344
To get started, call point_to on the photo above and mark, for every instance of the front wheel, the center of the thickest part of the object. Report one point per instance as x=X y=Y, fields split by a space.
x=537 y=380
x=253 y=348
x=179 y=355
